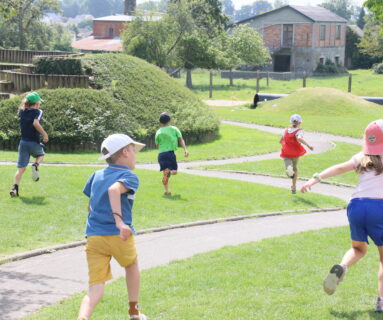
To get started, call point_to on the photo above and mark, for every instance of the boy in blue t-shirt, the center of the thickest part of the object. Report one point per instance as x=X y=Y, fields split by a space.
x=109 y=228
x=30 y=117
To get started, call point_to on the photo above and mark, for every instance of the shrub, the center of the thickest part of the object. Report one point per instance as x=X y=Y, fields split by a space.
x=58 y=65
x=329 y=67
x=378 y=68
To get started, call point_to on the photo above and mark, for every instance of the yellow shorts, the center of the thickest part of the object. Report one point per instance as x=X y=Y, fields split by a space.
x=101 y=249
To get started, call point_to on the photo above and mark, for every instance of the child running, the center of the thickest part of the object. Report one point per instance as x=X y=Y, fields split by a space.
x=167 y=138
x=365 y=210
x=109 y=228
x=292 y=149
x=30 y=116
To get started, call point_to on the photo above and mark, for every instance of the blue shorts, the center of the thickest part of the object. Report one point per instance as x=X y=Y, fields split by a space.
x=167 y=160
x=28 y=149
x=366 y=219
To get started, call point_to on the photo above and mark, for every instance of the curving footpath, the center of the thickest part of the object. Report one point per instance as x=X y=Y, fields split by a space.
x=29 y=284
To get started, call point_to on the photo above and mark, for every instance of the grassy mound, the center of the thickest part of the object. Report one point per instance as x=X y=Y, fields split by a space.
x=147 y=91
x=322 y=109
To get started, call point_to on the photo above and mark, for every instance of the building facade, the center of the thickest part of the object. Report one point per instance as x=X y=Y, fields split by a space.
x=299 y=37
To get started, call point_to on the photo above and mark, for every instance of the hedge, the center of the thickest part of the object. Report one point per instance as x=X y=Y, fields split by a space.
x=58 y=65
x=128 y=96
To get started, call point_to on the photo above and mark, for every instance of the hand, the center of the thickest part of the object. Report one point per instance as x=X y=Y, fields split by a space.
x=125 y=231
x=307 y=186
x=186 y=153
x=311 y=148
x=45 y=139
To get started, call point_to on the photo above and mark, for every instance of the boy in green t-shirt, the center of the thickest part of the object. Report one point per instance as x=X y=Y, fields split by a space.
x=167 y=139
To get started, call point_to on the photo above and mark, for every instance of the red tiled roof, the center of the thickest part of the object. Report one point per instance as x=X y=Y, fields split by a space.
x=90 y=44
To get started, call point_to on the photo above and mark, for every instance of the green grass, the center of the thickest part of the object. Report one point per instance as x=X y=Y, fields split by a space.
x=308 y=164
x=325 y=110
x=232 y=142
x=53 y=210
x=278 y=278
x=364 y=83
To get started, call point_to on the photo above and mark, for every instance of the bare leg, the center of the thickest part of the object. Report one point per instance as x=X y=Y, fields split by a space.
x=294 y=180
x=18 y=175
x=39 y=159
x=358 y=251
x=90 y=301
x=380 y=273
x=165 y=180
x=133 y=285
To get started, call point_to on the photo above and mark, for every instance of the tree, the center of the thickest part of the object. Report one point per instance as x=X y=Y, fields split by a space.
x=342 y=8
x=228 y=8
x=360 y=22
x=7 y=8
x=27 y=16
x=252 y=10
x=371 y=43
x=99 y=8
x=376 y=7
x=280 y=3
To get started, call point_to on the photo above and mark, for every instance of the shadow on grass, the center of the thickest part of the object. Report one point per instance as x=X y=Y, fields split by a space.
x=351 y=315
x=174 y=197
x=303 y=200
x=38 y=201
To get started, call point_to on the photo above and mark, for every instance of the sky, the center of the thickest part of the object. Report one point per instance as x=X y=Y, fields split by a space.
x=239 y=3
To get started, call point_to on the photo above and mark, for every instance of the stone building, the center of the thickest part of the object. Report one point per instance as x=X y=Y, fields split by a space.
x=301 y=37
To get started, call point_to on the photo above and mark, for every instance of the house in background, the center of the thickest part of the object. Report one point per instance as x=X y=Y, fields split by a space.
x=107 y=30
x=301 y=37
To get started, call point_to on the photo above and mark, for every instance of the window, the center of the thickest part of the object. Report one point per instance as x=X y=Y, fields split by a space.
x=337 y=32
x=322 y=35
x=321 y=60
x=111 y=33
x=337 y=60
x=287 y=40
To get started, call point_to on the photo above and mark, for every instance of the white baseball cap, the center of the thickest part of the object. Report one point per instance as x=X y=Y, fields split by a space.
x=117 y=141
x=295 y=118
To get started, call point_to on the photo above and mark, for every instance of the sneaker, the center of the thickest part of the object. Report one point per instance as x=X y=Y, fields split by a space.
x=293 y=190
x=165 y=179
x=14 y=191
x=35 y=172
x=167 y=193
x=333 y=278
x=290 y=171
x=138 y=317
x=379 y=305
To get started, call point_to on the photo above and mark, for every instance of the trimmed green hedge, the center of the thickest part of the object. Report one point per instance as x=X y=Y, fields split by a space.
x=129 y=98
x=58 y=65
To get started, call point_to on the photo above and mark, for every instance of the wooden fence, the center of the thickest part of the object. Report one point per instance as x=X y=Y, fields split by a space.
x=24 y=82
x=26 y=56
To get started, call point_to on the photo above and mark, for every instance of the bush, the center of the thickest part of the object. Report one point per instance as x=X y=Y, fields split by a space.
x=378 y=68
x=147 y=91
x=58 y=65
x=329 y=67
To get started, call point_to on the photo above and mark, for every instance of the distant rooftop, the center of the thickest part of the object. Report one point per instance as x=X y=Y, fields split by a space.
x=92 y=44
x=316 y=14
x=126 y=18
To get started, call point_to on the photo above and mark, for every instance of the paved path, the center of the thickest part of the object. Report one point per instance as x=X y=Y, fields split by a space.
x=29 y=284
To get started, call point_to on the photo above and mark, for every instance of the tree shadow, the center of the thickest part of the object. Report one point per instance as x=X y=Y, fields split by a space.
x=303 y=200
x=175 y=197
x=353 y=315
x=38 y=201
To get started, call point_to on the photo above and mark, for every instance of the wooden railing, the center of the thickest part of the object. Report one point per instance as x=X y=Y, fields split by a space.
x=26 y=56
x=24 y=82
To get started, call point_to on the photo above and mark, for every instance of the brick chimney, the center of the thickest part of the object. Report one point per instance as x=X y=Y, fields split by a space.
x=130 y=7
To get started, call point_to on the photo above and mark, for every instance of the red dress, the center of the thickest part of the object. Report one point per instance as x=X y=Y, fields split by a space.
x=291 y=147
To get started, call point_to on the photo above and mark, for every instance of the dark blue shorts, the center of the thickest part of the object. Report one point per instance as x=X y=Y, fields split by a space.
x=28 y=149
x=366 y=219
x=167 y=160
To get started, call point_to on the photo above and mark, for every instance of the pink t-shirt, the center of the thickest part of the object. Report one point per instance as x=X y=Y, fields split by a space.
x=369 y=185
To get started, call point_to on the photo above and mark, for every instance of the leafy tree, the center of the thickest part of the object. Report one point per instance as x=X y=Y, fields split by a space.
x=280 y=3
x=7 y=8
x=228 y=7
x=360 y=22
x=26 y=18
x=153 y=6
x=371 y=43
x=376 y=7
x=253 y=9
x=342 y=8
x=71 y=8
x=99 y=8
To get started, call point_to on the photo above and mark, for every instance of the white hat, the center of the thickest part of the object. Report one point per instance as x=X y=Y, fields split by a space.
x=117 y=141
x=295 y=118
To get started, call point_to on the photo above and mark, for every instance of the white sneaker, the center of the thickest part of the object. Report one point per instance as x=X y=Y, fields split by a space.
x=290 y=171
x=333 y=278
x=35 y=172
x=139 y=317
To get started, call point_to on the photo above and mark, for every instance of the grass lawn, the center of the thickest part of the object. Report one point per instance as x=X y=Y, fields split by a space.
x=278 y=278
x=326 y=110
x=232 y=142
x=307 y=166
x=53 y=210
x=364 y=83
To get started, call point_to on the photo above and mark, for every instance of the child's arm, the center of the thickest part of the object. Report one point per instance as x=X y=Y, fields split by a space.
x=281 y=139
x=329 y=172
x=303 y=141
x=115 y=191
x=39 y=128
x=182 y=143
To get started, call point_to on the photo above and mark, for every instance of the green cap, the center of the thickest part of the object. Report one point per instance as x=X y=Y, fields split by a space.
x=34 y=97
